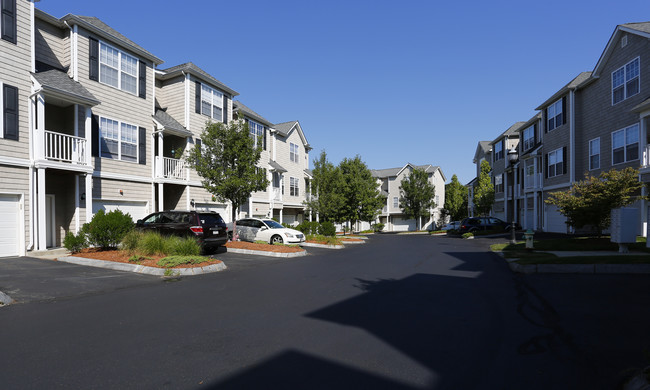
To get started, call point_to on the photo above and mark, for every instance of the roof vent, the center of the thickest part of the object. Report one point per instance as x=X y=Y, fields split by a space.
x=624 y=41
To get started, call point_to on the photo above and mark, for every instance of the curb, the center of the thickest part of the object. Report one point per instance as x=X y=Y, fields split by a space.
x=5 y=300
x=141 y=269
x=265 y=253
x=315 y=245
x=352 y=242
x=611 y=269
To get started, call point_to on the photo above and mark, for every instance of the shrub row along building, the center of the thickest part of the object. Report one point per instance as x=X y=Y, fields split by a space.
x=89 y=122
x=596 y=122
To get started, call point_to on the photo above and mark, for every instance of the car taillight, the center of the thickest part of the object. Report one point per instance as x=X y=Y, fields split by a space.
x=198 y=230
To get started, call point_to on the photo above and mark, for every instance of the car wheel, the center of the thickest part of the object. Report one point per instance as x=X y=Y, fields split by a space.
x=276 y=240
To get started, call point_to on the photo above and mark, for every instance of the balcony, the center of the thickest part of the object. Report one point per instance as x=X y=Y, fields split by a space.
x=277 y=194
x=646 y=157
x=171 y=168
x=64 y=148
x=533 y=182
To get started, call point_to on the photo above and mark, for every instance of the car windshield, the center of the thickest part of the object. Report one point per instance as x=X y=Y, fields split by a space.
x=272 y=224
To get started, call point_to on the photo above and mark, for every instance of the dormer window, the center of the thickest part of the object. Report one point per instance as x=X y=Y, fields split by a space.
x=625 y=81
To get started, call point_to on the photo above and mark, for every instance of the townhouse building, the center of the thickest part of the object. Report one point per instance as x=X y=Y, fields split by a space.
x=90 y=123
x=483 y=152
x=502 y=172
x=389 y=182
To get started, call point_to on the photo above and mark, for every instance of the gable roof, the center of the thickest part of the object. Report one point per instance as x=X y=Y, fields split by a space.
x=573 y=84
x=513 y=131
x=483 y=146
x=58 y=84
x=170 y=124
x=191 y=68
x=389 y=172
x=237 y=105
x=285 y=128
x=642 y=29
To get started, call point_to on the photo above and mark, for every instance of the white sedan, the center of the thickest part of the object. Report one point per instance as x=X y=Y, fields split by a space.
x=267 y=230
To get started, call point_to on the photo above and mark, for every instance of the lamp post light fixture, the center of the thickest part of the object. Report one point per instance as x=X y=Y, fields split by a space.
x=513 y=156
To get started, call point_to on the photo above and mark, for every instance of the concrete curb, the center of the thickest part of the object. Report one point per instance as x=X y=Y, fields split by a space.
x=642 y=269
x=5 y=300
x=315 y=245
x=265 y=253
x=141 y=269
x=345 y=242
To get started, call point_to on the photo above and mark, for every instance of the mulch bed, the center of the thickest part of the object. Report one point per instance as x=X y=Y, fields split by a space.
x=119 y=256
x=263 y=247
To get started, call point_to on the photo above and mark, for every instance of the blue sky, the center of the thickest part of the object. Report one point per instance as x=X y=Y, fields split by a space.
x=394 y=82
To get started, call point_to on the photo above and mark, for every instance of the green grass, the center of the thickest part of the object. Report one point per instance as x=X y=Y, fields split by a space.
x=573 y=244
x=172 y=261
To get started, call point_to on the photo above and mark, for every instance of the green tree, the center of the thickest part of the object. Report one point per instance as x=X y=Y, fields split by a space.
x=590 y=202
x=227 y=162
x=360 y=191
x=456 y=199
x=326 y=185
x=484 y=192
x=417 y=195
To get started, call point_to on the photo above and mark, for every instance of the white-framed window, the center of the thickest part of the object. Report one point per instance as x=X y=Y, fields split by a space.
x=625 y=144
x=498 y=151
x=257 y=132
x=118 y=69
x=211 y=103
x=395 y=202
x=293 y=152
x=294 y=186
x=594 y=154
x=555 y=163
x=554 y=115
x=498 y=183
x=626 y=81
x=118 y=140
x=529 y=137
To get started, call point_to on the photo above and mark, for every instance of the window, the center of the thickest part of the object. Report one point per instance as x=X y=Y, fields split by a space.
x=529 y=137
x=554 y=115
x=293 y=186
x=555 y=163
x=498 y=151
x=118 y=69
x=211 y=103
x=257 y=131
x=293 y=152
x=395 y=202
x=594 y=154
x=625 y=81
x=118 y=140
x=498 y=183
x=9 y=20
x=625 y=144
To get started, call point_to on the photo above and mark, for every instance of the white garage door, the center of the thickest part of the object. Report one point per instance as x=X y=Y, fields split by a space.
x=137 y=210
x=9 y=225
x=555 y=222
x=222 y=209
x=404 y=225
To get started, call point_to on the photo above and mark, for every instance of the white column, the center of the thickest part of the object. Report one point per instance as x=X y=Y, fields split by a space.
x=77 y=209
x=535 y=211
x=88 y=124
x=159 y=157
x=281 y=217
x=39 y=140
x=89 y=197
x=505 y=195
x=250 y=207
x=161 y=197
x=42 y=212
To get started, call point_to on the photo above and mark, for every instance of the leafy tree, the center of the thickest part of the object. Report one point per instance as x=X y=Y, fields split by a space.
x=484 y=191
x=590 y=202
x=417 y=195
x=227 y=162
x=456 y=199
x=326 y=185
x=360 y=191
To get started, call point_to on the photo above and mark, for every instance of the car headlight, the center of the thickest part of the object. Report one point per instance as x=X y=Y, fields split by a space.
x=289 y=235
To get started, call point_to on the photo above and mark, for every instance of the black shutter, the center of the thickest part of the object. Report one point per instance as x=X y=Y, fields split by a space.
x=564 y=113
x=535 y=134
x=143 y=79
x=225 y=109
x=198 y=145
x=265 y=138
x=95 y=136
x=93 y=59
x=142 y=146
x=197 y=95
x=9 y=20
x=564 y=160
x=545 y=119
x=545 y=167
x=10 y=112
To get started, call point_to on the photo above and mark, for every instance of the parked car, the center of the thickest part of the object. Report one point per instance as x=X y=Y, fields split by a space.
x=453 y=225
x=485 y=223
x=206 y=226
x=268 y=230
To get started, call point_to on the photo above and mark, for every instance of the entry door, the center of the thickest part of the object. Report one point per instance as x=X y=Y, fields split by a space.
x=49 y=221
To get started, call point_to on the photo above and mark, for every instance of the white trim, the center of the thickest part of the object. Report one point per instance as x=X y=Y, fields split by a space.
x=2 y=117
x=611 y=88
x=119 y=176
x=74 y=52
x=17 y=162
x=554 y=187
x=624 y=130
x=187 y=101
x=548 y=162
x=119 y=69
x=572 y=137
x=119 y=140
x=21 y=217
x=32 y=38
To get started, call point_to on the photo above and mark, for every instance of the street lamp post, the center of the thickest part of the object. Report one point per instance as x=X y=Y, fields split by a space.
x=513 y=156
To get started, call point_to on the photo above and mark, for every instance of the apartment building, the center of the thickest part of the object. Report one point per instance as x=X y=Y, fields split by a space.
x=90 y=123
x=389 y=182
x=483 y=152
x=502 y=172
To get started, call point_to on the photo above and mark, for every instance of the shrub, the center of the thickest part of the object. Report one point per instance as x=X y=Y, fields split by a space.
x=378 y=227
x=75 y=242
x=152 y=243
x=328 y=240
x=327 y=229
x=468 y=235
x=183 y=246
x=131 y=240
x=308 y=227
x=106 y=230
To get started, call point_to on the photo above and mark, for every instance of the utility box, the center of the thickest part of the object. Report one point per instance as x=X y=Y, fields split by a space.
x=624 y=226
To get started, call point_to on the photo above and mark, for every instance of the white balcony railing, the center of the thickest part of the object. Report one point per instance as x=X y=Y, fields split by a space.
x=277 y=194
x=533 y=181
x=646 y=156
x=64 y=148
x=171 y=168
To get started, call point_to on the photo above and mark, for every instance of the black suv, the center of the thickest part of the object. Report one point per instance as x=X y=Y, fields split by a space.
x=207 y=226
x=485 y=223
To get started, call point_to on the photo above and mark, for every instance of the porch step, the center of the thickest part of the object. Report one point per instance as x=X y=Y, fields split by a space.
x=52 y=253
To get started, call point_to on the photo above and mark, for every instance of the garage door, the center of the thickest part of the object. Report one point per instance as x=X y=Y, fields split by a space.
x=222 y=209
x=555 y=222
x=10 y=225
x=137 y=210
x=404 y=225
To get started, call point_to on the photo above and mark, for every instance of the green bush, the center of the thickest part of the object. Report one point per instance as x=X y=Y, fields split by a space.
x=468 y=235
x=327 y=229
x=378 y=227
x=329 y=240
x=183 y=246
x=131 y=240
x=308 y=227
x=172 y=261
x=152 y=243
x=106 y=230
x=75 y=242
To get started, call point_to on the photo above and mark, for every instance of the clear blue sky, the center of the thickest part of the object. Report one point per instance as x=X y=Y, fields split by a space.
x=394 y=82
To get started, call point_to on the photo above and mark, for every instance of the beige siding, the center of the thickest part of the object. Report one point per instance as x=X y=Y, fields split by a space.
x=171 y=95
x=51 y=43
x=131 y=191
x=293 y=169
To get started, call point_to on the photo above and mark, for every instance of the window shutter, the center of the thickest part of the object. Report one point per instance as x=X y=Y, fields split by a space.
x=225 y=109
x=564 y=113
x=198 y=145
x=95 y=136
x=545 y=119
x=535 y=134
x=10 y=112
x=142 y=146
x=93 y=60
x=564 y=160
x=545 y=166
x=9 y=20
x=143 y=79
x=265 y=137
x=197 y=95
